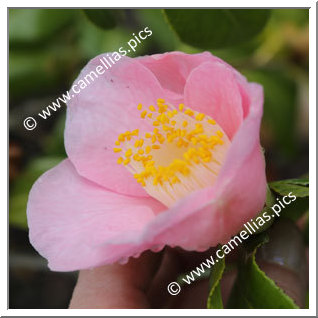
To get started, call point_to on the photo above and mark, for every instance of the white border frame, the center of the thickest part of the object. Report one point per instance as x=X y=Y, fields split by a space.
x=160 y=312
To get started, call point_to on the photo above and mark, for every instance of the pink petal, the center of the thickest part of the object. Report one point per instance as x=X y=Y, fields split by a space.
x=212 y=88
x=73 y=221
x=172 y=68
x=103 y=110
x=213 y=215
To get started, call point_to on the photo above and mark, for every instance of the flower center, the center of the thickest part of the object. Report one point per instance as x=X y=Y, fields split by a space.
x=183 y=153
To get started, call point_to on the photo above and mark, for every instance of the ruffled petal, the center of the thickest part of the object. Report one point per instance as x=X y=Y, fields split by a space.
x=212 y=88
x=172 y=68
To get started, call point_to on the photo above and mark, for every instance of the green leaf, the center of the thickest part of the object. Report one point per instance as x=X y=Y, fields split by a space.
x=215 y=298
x=296 y=209
x=19 y=192
x=216 y=28
x=102 y=18
x=253 y=288
x=164 y=37
x=302 y=181
x=299 y=187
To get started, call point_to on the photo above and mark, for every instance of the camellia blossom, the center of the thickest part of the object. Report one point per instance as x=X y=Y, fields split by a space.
x=162 y=150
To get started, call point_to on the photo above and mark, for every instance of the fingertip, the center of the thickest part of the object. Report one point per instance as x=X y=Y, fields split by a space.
x=116 y=286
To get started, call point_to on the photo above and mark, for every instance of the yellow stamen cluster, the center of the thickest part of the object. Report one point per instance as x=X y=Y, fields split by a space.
x=180 y=142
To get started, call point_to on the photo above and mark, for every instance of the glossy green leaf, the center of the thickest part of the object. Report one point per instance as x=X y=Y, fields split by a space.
x=215 y=297
x=296 y=209
x=103 y=18
x=253 y=288
x=302 y=181
x=217 y=28
x=299 y=187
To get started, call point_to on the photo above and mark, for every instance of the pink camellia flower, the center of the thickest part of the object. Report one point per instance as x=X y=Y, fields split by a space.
x=162 y=150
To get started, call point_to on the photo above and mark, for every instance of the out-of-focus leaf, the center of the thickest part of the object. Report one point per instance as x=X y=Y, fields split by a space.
x=31 y=72
x=90 y=39
x=54 y=143
x=215 y=297
x=163 y=38
x=297 y=16
x=253 y=288
x=21 y=188
x=238 y=54
x=37 y=25
x=217 y=28
x=93 y=41
x=299 y=187
x=280 y=111
x=35 y=72
x=103 y=18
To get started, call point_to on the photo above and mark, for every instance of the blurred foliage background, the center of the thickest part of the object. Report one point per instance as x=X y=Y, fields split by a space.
x=49 y=47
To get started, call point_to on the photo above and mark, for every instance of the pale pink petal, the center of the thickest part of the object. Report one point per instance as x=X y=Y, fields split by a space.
x=246 y=100
x=172 y=68
x=103 y=110
x=73 y=221
x=212 y=88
